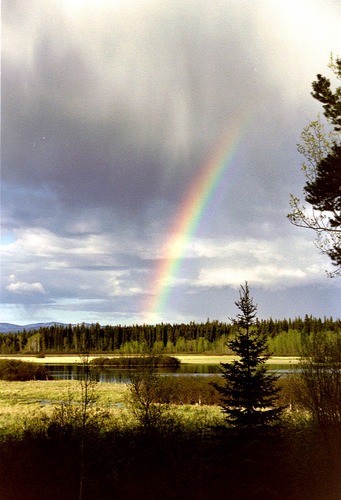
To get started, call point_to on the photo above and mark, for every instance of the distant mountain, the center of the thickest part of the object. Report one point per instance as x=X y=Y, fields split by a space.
x=12 y=328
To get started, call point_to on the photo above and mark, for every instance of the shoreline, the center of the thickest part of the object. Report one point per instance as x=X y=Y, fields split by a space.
x=198 y=359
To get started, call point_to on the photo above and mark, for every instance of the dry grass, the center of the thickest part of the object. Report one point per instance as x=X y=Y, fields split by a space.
x=184 y=358
x=55 y=360
x=215 y=360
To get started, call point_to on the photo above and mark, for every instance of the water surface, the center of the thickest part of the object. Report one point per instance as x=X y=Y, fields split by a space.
x=123 y=375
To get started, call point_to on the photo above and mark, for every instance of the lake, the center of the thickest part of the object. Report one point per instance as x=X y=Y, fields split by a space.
x=122 y=376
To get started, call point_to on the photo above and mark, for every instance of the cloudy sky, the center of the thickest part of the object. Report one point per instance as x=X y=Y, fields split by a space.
x=112 y=110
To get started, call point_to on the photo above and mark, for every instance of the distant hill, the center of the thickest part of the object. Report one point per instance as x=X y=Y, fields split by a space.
x=12 y=328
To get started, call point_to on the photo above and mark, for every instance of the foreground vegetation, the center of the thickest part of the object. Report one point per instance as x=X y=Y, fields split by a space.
x=174 y=461
x=189 y=453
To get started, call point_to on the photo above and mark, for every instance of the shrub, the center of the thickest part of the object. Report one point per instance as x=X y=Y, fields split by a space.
x=137 y=361
x=319 y=388
x=190 y=390
x=17 y=370
x=147 y=397
x=68 y=420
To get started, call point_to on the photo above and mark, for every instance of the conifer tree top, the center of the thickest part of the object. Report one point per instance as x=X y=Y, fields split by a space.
x=248 y=310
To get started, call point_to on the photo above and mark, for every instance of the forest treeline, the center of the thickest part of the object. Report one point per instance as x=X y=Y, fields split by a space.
x=285 y=337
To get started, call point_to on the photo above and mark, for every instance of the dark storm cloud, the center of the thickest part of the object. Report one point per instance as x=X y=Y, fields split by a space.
x=132 y=126
x=109 y=111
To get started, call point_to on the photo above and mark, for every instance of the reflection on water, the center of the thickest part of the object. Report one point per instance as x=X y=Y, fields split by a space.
x=122 y=376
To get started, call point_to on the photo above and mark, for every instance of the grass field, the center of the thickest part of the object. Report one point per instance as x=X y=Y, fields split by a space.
x=22 y=402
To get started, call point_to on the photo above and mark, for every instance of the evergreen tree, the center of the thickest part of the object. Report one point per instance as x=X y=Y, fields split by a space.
x=249 y=393
x=331 y=100
x=322 y=170
x=324 y=194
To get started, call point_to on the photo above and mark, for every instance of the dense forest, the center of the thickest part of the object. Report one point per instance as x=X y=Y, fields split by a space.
x=285 y=337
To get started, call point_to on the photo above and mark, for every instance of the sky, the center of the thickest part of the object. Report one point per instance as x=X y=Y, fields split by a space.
x=149 y=148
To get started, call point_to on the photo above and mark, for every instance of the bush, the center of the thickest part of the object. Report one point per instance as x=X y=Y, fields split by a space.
x=17 y=370
x=147 y=397
x=137 y=361
x=190 y=390
x=186 y=390
x=69 y=421
x=319 y=387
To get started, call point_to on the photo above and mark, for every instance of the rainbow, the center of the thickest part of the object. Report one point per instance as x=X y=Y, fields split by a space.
x=187 y=220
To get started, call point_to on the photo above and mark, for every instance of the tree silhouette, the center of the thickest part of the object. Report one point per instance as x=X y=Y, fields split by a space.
x=249 y=394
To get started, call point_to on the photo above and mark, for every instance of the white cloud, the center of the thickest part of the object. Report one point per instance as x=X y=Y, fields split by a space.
x=22 y=287
x=264 y=276
x=40 y=245
x=269 y=264
x=119 y=285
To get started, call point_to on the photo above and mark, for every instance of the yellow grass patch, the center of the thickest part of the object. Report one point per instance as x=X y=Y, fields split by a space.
x=215 y=360
x=56 y=360
x=184 y=358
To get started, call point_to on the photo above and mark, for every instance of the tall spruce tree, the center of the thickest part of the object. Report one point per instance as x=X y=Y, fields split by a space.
x=249 y=394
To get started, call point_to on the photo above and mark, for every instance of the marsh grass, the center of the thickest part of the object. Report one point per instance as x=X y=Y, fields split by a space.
x=20 y=400
x=55 y=390
x=23 y=404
